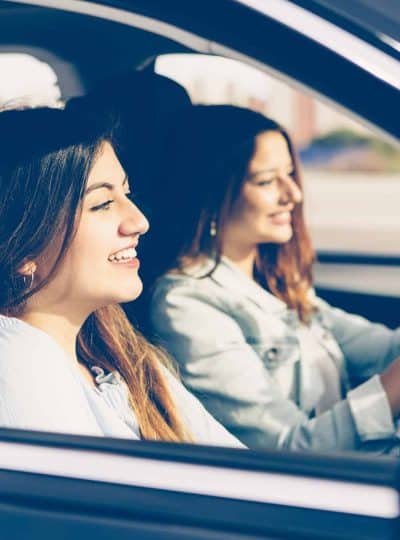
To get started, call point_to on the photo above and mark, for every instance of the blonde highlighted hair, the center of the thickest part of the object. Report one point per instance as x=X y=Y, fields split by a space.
x=108 y=340
x=207 y=170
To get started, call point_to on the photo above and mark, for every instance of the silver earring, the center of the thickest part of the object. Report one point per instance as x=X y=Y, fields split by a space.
x=29 y=278
x=213 y=228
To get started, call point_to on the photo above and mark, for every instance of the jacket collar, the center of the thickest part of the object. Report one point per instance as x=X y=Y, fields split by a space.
x=230 y=277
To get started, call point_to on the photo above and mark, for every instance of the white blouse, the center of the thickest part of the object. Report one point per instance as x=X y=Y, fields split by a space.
x=41 y=389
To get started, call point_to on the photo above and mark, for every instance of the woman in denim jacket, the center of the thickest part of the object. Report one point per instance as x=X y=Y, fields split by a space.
x=278 y=366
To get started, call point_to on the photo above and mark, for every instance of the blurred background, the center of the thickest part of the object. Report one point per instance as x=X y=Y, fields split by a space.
x=334 y=149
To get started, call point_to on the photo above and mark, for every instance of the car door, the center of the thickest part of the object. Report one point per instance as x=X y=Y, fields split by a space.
x=60 y=486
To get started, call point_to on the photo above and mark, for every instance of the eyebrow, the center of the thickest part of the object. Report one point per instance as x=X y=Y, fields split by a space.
x=263 y=171
x=106 y=185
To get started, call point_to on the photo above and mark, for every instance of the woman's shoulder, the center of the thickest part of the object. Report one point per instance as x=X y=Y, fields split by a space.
x=16 y=335
x=23 y=348
x=198 y=272
x=38 y=390
x=194 y=281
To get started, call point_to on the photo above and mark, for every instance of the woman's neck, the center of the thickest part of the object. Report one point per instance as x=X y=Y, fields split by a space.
x=63 y=330
x=243 y=257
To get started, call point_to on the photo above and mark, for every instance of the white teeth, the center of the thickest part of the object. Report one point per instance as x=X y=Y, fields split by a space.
x=123 y=255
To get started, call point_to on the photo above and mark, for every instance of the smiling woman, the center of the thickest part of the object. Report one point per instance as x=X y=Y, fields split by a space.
x=126 y=255
x=69 y=359
x=234 y=299
x=110 y=224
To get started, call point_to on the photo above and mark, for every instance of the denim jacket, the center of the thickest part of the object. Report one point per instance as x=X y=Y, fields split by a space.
x=238 y=351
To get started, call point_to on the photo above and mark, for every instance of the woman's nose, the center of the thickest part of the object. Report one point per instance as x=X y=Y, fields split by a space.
x=290 y=191
x=133 y=221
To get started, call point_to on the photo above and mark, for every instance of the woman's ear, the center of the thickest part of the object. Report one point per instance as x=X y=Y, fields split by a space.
x=28 y=268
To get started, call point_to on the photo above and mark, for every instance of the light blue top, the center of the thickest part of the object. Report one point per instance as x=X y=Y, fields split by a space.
x=271 y=380
x=42 y=389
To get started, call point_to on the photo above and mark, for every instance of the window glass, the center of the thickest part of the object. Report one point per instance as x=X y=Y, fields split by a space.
x=25 y=80
x=352 y=174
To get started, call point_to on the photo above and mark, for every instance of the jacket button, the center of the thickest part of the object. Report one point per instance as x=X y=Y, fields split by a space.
x=272 y=353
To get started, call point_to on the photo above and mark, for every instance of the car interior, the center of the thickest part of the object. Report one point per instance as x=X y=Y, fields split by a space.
x=85 y=63
x=74 y=46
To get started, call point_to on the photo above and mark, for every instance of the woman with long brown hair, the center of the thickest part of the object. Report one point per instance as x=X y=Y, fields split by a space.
x=69 y=359
x=235 y=305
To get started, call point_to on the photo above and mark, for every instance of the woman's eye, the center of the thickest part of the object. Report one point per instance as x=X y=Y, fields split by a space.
x=266 y=182
x=103 y=206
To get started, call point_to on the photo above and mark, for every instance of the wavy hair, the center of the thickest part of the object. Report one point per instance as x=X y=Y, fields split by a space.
x=47 y=155
x=206 y=160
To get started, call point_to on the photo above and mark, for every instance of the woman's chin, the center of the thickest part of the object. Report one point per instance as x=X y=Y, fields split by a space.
x=280 y=236
x=284 y=239
x=128 y=293
x=134 y=294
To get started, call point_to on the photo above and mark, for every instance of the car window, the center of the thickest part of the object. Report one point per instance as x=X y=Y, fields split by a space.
x=28 y=81
x=352 y=174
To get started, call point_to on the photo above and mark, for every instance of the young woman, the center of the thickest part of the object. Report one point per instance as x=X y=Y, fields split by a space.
x=69 y=359
x=279 y=367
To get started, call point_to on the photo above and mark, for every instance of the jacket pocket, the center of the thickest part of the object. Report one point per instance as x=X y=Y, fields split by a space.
x=277 y=353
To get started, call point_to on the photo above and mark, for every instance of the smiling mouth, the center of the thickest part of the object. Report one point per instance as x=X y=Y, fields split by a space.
x=123 y=256
x=281 y=218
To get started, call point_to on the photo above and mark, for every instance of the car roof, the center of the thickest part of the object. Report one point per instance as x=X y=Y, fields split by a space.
x=325 y=63
x=379 y=18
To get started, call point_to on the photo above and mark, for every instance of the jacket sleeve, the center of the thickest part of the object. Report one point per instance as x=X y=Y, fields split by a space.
x=367 y=347
x=227 y=375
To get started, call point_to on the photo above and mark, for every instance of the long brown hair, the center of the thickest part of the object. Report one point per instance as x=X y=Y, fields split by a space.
x=207 y=159
x=108 y=340
x=46 y=158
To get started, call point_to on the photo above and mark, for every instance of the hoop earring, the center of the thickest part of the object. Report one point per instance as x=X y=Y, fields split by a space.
x=32 y=277
x=213 y=228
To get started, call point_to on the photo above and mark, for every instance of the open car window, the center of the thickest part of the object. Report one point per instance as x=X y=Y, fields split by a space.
x=27 y=81
x=351 y=174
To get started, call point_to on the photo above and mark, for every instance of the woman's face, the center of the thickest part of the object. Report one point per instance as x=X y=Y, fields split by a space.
x=101 y=266
x=263 y=211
